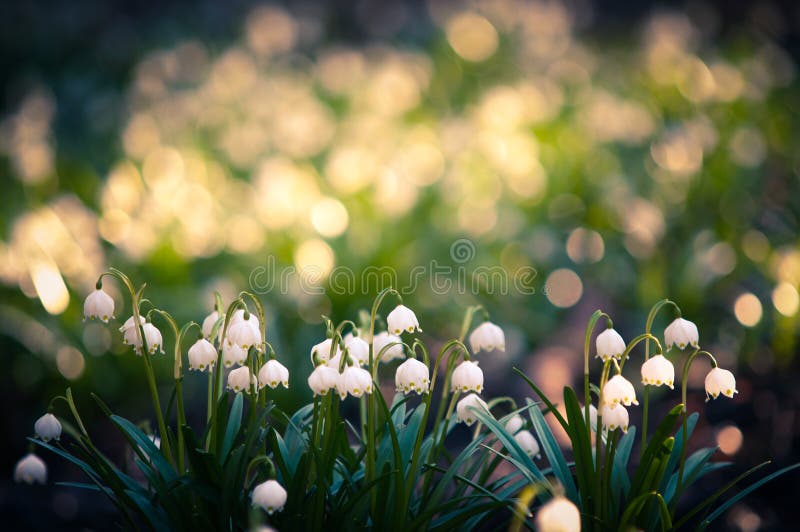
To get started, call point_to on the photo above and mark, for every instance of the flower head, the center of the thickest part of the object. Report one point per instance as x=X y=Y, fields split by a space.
x=619 y=390
x=98 y=305
x=412 y=376
x=487 y=336
x=720 y=381
x=273 y=373
x=615 y=418
x=238 y=316
x=392 y=344
x=30 y=469
x=467 y=377
x=592 y=416
x=323 y=351
x=682 y=333
x=609 y=344
x=402 y=319
x=525 y=439
x=241 y=380
x=151 y=335
x=202 y=355
x=358 y=349
x=233 y=354
x=514 y=424
x=354 y=380
x=208 y=324
x=245 y=333
x=323 y=379
x=558 y=515
x=270 y=496
x=657 y=371
x=464 y=408
x=129 y=323
x=48 y=427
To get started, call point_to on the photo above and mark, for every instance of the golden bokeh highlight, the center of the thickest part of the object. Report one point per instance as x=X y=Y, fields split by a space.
x=786 y=299
x=747 y=309
x=70 y=362
x=329 y=217
x=563 y=288
x=472 y=36
x=729 y=439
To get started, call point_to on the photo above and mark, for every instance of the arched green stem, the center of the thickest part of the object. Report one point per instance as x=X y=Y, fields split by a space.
x=596 y=315
x=633 y=343
x=219 y=371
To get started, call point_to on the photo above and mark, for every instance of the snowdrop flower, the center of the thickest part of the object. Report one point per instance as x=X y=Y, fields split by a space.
x=323 y=351
x=467 y=376
x=30 y=469
x=322 y=379
x=202 y=355
x=129 y=324
x=48 y=427
x=657 y=371
x=273 y=373
x=208 y=324
x=514 y=424
x=682 y=333
x=245 y=333
x=609 y=345
x=98 y=305
x=358 y=349
x=233 y=354
x=240 y=380
x=528 y=443
x=151 y=335
x=394 y=351
x=619 y=390
x=412 y=376
x=463 y=411
x=615 y=418
x=238 y=316
x=558 y=515
x=354 y=380
x=402 y=319
x=269 y=496
x=592 y=416
x=487 y=336
x=720 y=381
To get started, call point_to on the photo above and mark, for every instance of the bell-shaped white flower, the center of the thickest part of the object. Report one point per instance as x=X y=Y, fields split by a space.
x=487 y=336
x=658 y=370
x=241 y=380
x=233 y=354
x=609 y=345
x=323 y=379
x=245 y=333
x=592 y=416
x=514 y=424
x=270 y=496
x=48 y=427
x=151 y=335
x=464 y=408
x=358 y=349
x=619 y=390
x=615 y=418
x=208 y=324
x=129 y=324
x=682 y=333
x=558 y=515
x=525 y=439
x=273 y=373
x=412 y=376
x=99 y=306
x=402 y=319
x=323 y=351
x=238 y=316
x=720 y=381
x=30 y=469
x=355 y=381
x=388 y=346
x=467 y=377
x=202 y=355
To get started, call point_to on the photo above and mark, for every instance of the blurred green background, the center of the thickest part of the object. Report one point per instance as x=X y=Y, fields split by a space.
x=614 y=153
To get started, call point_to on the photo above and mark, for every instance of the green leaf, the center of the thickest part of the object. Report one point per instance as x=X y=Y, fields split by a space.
x=232 y=429
x=145 y=447
x=581 y=446
x=553 y=452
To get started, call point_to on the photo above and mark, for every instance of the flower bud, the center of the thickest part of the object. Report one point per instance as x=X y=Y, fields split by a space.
x=402 y=319
x=270 y=496
x=487 y=336
x=467 y=377
x=48 y=427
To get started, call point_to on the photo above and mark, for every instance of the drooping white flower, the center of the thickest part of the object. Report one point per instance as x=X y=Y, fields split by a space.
x=487 y=336
x=682 y=333
x=358 y=349
x=233 y=354
x=129 y=323
x=241 y=380
x=245 y=333
x=412 y=376
x=354 y=380
x=402 y=319
x=657 y=371
x=238 y=316
x=151 y=335
x=463 y=408
x=98 y=305
x=592 y=416
x=48 y=427
x=323 y=351
x=558 y=515
x=467 y=377
x=30 y=469
x=202 y=355
x=720 y=381
x=273 y=373
x=619 y=390
x=392 y=344
x=514 y=424
x=615 y=418
x=528 y=443
x=270 y=496
x=609 y=344
x=323 y=379
x=208 y=324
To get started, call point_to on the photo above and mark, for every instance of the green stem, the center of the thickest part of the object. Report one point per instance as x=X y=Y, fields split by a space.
x=596 y=315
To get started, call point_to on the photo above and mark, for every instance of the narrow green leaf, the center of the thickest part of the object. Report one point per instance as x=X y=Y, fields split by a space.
x=232 y=429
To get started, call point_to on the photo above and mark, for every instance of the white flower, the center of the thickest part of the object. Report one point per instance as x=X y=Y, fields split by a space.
x=98 y=305
x=30 y=469
x=615 y=418
x=323 y=351
x=202 y=355
x=48 y=427
x=558 y=515
x=233 y=354
x=273 y=373
x=151 y=335
x=208 y=324
x=358 y=349
x=463 y=407
x=241 y=380
x=487 y=336
x=609 y=344
x=245 y=333
x=467 y=376
x=720 y=381
x=129 y=324
x=514 y=424
x=269 y=496
x=528 y=443
x=322 y=379
x=238 y=316
x=412 y=376
x=402 y=319
x=682 y=333
x=657 y=371
x=393 y=351
x=354 y=380
x=619 y=390
x=592 y=416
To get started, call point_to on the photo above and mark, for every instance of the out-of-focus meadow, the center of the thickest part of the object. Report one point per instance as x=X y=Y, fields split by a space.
x=615 y=155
